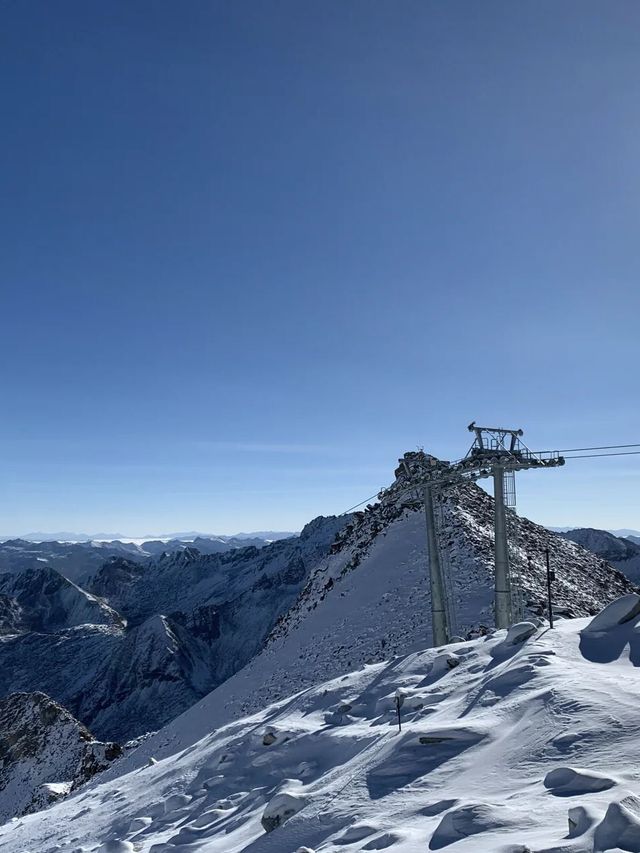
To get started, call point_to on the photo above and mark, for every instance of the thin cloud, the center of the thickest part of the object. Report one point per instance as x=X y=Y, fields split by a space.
x=266 y=447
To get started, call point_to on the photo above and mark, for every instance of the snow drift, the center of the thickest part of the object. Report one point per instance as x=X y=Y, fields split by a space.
x=531 y=748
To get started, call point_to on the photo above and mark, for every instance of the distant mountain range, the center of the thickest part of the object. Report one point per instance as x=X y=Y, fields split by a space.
x=79 y=561
x=625 y=532
x=621 y=552
x=68 y=536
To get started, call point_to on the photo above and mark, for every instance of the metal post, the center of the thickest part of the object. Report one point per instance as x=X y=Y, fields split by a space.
x=550 y=577
x=503 y=585
x=438 y=611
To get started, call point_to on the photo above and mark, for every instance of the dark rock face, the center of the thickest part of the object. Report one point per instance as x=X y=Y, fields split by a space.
x=44 y=753
x=44 y=601
x=204 y=622
x=115 y=575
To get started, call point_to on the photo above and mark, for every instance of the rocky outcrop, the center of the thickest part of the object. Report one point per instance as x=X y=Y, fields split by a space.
x=44 y=753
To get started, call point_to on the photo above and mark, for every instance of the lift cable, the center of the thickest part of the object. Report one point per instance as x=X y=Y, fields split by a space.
x=351 y=508
x=599 y=455
x=580 y=449
x=572 y=450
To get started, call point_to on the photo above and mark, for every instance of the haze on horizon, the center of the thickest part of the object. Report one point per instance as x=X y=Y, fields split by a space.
x=254 y=252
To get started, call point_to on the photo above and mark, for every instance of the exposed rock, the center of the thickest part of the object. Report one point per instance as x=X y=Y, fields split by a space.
x=44 y=753
x=43 y=600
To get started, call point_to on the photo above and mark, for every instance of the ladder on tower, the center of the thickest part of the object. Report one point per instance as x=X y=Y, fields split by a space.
x=445 y=562
x=510 y=502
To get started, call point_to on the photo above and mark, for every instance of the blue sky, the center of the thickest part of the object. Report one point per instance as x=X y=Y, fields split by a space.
x=253 y=251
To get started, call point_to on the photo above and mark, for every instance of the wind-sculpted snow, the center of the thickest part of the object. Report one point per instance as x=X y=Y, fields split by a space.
x=526 y=747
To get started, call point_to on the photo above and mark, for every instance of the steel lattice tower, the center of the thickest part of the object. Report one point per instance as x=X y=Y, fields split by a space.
x=496 y=453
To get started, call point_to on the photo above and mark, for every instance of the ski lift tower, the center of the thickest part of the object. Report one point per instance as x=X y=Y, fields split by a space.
x=503 y=453
x=420 y=479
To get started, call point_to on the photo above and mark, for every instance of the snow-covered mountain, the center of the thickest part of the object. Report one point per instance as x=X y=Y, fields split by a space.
x=263 y=623
x=626 y=533
x=79 y=560
x=623 y=553
x=68 y=536
x=166 y=631
x=369 y=600
x=513 y=743
x=175 y=627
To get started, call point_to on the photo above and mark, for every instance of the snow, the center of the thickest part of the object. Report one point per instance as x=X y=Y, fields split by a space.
x=303 y=740
x=622 y=610
x=535 y=747
x=282 y=807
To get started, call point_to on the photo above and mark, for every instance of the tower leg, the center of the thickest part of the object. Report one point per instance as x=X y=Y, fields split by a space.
x=503 y=585
x=438 y=612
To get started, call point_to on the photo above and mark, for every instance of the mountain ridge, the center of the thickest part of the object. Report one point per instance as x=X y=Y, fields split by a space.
x=67 y=536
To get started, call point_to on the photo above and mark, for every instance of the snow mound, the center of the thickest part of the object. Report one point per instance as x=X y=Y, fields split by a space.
x=469 y=820
x=519 y=633
x=622 y=610
x=567 y=781
x=282 y=807
x=580 y=820
x=620 y=828
x=498 y=755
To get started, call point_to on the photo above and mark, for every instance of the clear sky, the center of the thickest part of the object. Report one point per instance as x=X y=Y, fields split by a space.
x=251 y=251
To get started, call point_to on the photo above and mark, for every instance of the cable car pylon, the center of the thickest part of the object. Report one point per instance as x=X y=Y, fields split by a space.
x=497 y=453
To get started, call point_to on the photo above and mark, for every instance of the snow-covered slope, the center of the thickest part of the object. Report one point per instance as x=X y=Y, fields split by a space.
x=370 y=600
x=623 y=553
x=526 y=741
